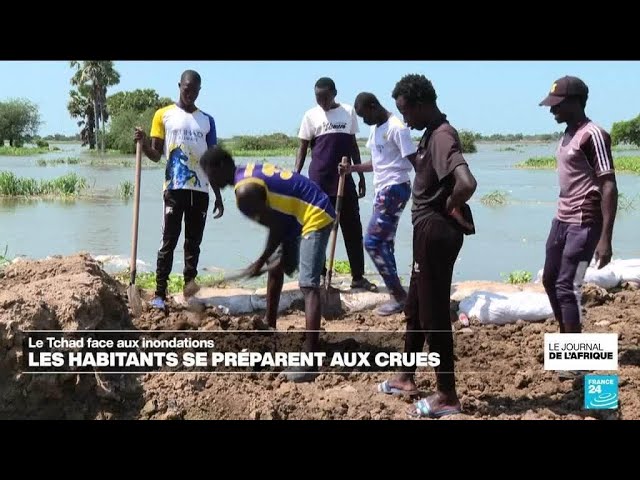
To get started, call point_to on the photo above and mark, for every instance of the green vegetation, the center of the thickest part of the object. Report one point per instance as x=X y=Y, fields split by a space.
x=19 y=121
x=467 y=139
x=626 y=132
x=341 y=267
x=627 y=164
x=272 y=145
x=494 y=199
x=508 y=149
x=60 y=138
x=518 y=137
x=129 y=110
x=58 y=161
x=21 y=151
x=147 y=280
x=125 y=189
x=4 y=260
x=67 y=185
x=622 y=164
x=518 y=276
x=88 y=101
x=538 y=162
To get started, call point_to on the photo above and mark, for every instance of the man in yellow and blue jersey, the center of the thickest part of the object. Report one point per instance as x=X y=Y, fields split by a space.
x=182 y=133
x=299 y=216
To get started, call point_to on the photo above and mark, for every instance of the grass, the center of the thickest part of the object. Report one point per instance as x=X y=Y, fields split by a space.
x=147 y=280
x=538 y=162
x=494 y=199
x=4 y=260
x=67 y=185
x=22 y=151
x=517 y=276
x=622 y=164
x=627 y=164
x=342 y=267
x=58 y=161
x=275 y=152
x=125 y=189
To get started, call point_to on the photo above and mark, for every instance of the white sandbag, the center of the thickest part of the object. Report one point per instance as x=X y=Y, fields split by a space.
x=607 y=277
x=503 y=308
x=234 y=301
x=539 y=276
x=287 y=297
x=627 y=270
x=362 y=300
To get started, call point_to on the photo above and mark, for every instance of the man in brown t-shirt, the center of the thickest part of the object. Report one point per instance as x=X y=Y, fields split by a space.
x=587 y=203
x=442 y=186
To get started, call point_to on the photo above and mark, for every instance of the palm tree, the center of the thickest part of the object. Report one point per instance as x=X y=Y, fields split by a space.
x=101 y=74
x=82 y=106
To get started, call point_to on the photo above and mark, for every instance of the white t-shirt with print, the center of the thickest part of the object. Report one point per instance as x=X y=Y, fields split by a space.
x=186 y=137
x=390 y=144
x=331 y=136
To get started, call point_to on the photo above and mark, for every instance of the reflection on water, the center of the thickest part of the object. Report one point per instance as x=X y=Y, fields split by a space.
x=509 y=237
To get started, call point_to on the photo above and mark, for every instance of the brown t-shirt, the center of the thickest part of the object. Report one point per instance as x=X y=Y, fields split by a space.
x=439 y=153
x=582 y=158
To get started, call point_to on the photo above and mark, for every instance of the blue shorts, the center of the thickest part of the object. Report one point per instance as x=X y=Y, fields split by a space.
x=307 y=255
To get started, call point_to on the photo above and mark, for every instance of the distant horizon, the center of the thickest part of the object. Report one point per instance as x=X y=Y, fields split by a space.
x=262 y=97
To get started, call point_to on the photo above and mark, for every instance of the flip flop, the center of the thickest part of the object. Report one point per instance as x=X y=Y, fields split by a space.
x=422 y=409
x=387 y=389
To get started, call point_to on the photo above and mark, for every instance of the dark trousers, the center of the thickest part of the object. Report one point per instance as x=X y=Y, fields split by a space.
x=351 y=227
x=193 y=206
x=569 y=250
x=436 y=244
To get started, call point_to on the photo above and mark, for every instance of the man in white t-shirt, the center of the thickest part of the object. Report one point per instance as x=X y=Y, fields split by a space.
x=330 y=129
x=182 y=133
x=392 y=155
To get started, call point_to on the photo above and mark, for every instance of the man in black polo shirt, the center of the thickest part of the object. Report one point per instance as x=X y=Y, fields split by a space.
x=442 y=186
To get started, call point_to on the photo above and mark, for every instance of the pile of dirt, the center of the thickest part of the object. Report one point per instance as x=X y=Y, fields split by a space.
x=70 y=293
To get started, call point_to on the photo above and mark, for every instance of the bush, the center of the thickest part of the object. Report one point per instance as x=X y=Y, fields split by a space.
x=264 y=142
x=120 y=134
x=467 y=139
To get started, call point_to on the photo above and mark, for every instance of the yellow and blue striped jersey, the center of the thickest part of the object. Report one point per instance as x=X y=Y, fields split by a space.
x=303 y=205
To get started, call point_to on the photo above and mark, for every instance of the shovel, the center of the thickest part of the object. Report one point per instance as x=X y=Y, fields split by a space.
x=331 y=303
x=132 y=291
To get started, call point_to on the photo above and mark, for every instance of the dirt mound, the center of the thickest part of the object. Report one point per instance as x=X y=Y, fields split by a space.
x=70 y=293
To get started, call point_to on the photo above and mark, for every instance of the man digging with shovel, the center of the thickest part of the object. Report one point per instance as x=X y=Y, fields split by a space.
x=299 y=217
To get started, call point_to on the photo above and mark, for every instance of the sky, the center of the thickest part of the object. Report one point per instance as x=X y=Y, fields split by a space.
x=261 y=97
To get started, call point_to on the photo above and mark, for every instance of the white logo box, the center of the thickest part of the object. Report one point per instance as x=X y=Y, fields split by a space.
x=581 y=351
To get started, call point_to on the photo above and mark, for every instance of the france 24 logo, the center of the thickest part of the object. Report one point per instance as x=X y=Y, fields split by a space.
x=600 y=392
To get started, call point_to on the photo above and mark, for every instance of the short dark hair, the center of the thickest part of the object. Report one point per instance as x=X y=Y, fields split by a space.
x=415 y=89
x=366 y=98
x=191 y=74
x=216 y=157
x=325 y=82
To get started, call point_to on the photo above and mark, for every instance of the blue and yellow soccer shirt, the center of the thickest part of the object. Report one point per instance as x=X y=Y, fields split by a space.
x=186 y=137
x=303 y=206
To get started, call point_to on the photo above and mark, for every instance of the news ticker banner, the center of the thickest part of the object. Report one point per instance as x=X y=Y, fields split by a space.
x=230 y=351
x=142 y=351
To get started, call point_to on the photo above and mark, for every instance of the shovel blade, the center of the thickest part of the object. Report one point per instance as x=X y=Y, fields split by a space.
x=135 y=302
x=331 y=303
